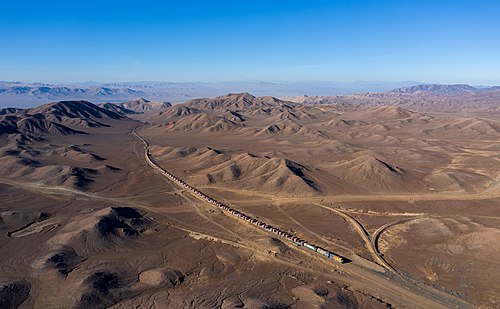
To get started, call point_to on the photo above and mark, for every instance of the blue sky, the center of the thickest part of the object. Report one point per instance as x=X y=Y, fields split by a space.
x=76 y=41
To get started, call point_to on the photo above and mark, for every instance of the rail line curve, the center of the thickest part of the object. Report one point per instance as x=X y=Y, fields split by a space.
x=236 y=213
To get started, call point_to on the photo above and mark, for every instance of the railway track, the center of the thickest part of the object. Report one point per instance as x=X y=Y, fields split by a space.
x=367 y=238
x=395 y=287
x=376 y=235
x=371 y=241
x=256 y=222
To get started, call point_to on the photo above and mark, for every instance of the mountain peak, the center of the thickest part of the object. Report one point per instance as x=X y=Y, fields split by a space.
x=75 y=109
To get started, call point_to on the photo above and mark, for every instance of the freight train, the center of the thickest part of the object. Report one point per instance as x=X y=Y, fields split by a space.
x=297 y=241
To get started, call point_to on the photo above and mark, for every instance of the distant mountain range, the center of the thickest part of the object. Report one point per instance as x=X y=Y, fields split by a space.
x=17 y=94
x=67 y=91
x=26 y=95
x=437 y=88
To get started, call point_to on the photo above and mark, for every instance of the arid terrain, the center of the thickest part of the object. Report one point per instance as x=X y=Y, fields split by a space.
x=404 y=185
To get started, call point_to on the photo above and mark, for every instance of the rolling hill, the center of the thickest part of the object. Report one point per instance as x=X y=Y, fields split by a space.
x=65 y=117
x=141 y=105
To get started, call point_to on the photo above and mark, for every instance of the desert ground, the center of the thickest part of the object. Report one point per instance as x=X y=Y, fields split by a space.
x=404 y=187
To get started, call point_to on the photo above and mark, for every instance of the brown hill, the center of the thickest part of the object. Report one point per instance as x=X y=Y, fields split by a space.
x=97 y=230
x=258 y=112
x=384 y=113
x=48 y=174
x=141 y=105
x=13 y=292
x=9 y=110
x=234 y=116
x=376 y=175
x=178 y=110
x=238 y=101
x=64 y=118
x=75 y=153
x=198 y=157
x=74 y=113
x=32 y=126
x=72 y=110
x=342 y=123
x=243 y=171
x=274 y=175
x=120 y=110
x=202 y=122
x=8 y=124
x=379 y=139
x=480 y=126
x=285 y=115
x=287 y=128
x=38 y=124
x=468 y=126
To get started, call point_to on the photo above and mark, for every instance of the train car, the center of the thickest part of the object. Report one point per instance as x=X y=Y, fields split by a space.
x=323 y=251
x=336 y=257
x=294 y=239
x=311 y=247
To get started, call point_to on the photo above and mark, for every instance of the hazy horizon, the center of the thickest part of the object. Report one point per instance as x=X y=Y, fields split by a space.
x=95 y=82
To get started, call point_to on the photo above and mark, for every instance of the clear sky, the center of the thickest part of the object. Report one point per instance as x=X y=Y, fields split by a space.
x=440 y=41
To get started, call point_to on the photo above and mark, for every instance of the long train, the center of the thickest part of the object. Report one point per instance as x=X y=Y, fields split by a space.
x=236 y=213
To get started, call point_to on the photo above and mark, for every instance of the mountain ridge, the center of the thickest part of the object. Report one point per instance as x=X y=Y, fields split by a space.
x=63 y=117
x=19 y=94
x=436 y=88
